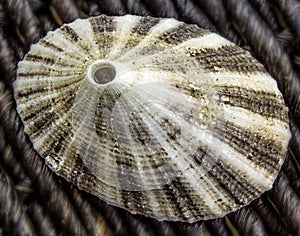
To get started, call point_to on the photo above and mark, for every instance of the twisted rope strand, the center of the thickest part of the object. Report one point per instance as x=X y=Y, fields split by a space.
x=248 y=222
x=264 y=9
x=217 y=13
x=191 y=13
x=66 y=11
x=272 y=220
x=25 y=21
x=218 y=227
x=291 y=10
x=287 y=202
x=12 y=211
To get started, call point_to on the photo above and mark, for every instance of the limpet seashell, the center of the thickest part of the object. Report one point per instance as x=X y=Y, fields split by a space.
x=153 y=115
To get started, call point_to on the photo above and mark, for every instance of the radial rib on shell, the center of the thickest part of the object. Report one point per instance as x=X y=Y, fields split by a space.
x=153 y=115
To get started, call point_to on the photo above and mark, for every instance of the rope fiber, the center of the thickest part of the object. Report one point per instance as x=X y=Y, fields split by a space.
x=34 y=201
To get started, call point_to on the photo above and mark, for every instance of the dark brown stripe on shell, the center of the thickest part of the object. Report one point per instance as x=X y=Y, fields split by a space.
x=129 y=179
x=74 y=38
x=42 y=89
x=179 y=194
x=140 y=131
x=37 y=58
x=36 y=73
x=60 y=143
x=263 y=152
x=49 y=61
x=35 y=112
x=260 y=102
x=139 y=31
x=103 y=27
x=228 y=180
x=143 y=27
x=172 y=36
x=81 y=169
x=173 y=131
x=198 y=155
x=70 y=33
x=30 y=91
x=125 y=161
x=181 y=33
x=158 y=164
x=134 y=200
x=103 y=111
x=75 y=174
x=43 y=119
x=145 y=137
x=48 y=44
x=47 y=72
x=228 y=57
x=157 y=161
x=234 y=184
x=56 y=48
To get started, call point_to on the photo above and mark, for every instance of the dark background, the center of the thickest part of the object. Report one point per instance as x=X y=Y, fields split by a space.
x=33 y=200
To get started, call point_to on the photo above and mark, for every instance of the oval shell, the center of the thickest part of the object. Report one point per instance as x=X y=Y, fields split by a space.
x=153 y=115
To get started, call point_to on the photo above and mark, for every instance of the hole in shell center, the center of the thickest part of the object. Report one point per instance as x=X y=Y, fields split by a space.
x=103 y=73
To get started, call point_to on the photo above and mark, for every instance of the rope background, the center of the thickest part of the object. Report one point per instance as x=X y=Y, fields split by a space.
x=34 y=201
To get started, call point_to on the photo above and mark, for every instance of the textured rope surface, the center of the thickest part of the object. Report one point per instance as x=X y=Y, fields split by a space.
x=35 y=201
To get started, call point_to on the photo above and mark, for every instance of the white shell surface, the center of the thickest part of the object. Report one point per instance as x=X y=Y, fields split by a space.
x=153 y=115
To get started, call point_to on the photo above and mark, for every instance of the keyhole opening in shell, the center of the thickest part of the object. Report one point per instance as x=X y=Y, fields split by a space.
x=104 y=73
